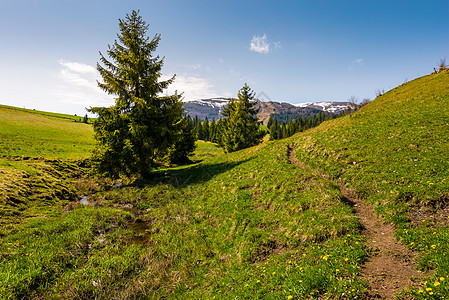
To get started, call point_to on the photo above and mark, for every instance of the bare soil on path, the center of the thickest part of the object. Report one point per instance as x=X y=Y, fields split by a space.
x=391 y=266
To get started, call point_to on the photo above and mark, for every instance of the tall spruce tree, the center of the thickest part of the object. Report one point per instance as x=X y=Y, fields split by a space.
x=241 y=126
x=142 y=125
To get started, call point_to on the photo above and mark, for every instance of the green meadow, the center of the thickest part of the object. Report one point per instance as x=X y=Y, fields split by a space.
x=39 y=134
x=245 y=225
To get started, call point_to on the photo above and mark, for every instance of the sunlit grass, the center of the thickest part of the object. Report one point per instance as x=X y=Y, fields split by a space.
x=394 y=152
x=242 y=225
x=29 y=133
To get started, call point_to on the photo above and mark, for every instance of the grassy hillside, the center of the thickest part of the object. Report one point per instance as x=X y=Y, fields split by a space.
x=248 y=224
x=34 y=133
x=245 y=225
x=40 y=156
x=395 y=153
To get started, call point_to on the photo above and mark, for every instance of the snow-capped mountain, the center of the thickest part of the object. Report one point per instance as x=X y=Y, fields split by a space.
x=211 y=108
x=327 y=106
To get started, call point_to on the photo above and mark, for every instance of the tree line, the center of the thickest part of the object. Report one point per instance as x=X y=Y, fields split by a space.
x=279 y=131
x=146 y=128
x=238 y=129
x=211 y=131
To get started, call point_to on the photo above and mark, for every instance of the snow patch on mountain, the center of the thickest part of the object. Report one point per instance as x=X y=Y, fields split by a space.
x=212 y=102
x=327 y=106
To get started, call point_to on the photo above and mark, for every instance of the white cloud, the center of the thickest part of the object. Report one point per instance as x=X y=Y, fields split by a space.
x=78 y=85
x=193 y=87
x=358 y=61
x=78 y=67
x=277 y=45
x=259 y=44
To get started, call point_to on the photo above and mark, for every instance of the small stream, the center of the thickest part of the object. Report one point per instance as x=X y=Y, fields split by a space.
x=84 y=200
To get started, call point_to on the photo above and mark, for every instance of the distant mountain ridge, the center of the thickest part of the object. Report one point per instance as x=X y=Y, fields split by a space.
x=212 y=108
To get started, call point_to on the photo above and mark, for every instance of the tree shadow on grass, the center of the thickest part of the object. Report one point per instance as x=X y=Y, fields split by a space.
x=184 y=176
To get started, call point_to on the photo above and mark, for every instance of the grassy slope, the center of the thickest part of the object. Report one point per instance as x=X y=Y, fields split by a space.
x=38 y=161
x=395 y=153
x=249 y=224
x=34 y=133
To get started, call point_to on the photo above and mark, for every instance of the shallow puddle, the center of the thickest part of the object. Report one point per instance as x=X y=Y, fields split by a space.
x=84 y=200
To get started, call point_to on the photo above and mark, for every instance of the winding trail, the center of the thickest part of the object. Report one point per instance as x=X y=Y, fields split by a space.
x=391 y=266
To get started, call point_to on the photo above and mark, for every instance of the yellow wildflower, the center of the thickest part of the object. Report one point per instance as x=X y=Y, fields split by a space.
x=436 y=283
x=289 y=297
x=441 y=278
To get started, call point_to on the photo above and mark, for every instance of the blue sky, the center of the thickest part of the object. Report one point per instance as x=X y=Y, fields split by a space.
x=291 y=51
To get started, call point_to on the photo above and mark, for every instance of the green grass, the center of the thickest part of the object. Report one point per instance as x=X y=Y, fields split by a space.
x=45 y=113
x=30 y=133
x=394 y=152
x=40 y=155
x=205 y=150
x=244 y=225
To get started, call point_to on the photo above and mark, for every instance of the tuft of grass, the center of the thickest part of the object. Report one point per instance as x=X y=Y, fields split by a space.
x=52 y=251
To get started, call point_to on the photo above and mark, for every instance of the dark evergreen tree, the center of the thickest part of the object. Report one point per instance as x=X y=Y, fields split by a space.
x=241 y=126
x=142 y=126
x=274 y=130
x=184 y=146
x=213 y=130
x=270 y=122
x=206 y=129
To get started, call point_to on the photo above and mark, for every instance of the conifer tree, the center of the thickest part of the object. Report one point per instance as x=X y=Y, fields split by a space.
x=142 y=125
x=206 y=130
x=213 y=130
x=274 y=130
x=184 y=146
x=241 y=126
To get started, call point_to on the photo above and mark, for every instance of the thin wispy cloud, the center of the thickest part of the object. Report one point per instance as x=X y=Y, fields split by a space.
x=356 y=63
x=192 y=87
x=78 y=67
x=259 y=44
x=78 y=85
x=78 y=74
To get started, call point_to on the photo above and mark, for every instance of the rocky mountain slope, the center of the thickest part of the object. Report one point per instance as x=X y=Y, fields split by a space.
x=211 y=108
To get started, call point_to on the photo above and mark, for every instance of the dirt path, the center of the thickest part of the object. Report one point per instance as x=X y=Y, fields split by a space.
x=391 y=266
